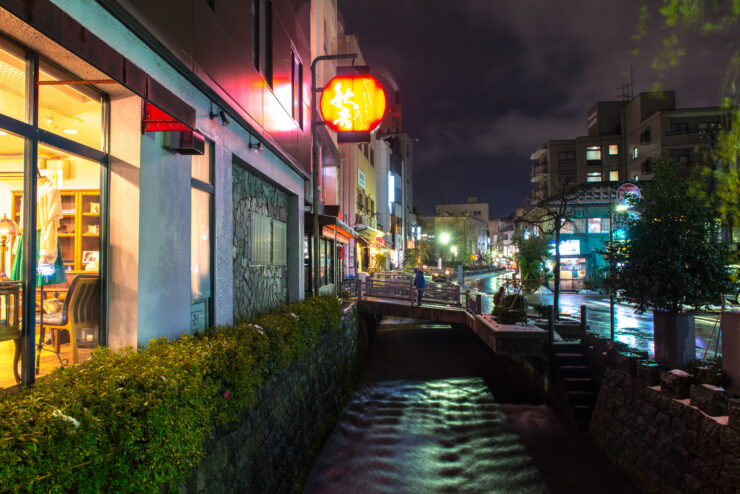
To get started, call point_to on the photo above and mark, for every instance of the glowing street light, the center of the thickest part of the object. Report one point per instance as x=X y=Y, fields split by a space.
x=444 y=238
x=453 y=249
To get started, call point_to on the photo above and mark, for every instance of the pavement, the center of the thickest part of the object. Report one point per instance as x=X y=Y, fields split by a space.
x=636 y=330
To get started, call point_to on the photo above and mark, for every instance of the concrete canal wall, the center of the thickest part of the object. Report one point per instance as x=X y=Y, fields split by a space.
x=274 y=446
x=663 y=443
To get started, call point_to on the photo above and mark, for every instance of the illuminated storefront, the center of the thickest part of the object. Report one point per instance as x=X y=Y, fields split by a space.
x=53 y=165
x=157 y=209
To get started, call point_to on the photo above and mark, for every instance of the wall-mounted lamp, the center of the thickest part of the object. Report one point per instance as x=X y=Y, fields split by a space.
x=256 y=147
x=221 y=114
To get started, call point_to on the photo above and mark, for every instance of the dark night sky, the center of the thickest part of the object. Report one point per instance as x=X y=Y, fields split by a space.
x=484 y=83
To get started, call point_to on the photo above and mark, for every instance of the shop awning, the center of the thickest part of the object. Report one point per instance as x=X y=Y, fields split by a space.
x=332 y=223
x=368 y=231
x=372 y=236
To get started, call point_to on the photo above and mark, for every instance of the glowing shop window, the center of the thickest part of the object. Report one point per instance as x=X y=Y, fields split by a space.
x=12 y=81
x=593 y=153
x=570 y=247
x=594 y=225
x=593 y=177
x=613 y=149
x=74 y=111
x=613 y=176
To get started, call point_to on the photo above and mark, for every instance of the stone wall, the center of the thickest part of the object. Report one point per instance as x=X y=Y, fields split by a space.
x=257 y=288
x=665 y=444
x=274 y=447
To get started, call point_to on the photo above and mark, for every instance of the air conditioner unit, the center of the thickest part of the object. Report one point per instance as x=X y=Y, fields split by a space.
x=184 y=142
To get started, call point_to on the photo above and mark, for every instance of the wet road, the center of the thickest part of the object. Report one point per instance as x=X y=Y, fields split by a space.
x=636 y=330
x=435 y=410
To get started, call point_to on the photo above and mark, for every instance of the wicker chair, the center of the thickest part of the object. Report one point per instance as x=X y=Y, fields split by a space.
x=81 y=309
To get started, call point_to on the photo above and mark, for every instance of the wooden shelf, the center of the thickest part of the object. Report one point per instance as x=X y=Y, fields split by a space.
x=78 y=221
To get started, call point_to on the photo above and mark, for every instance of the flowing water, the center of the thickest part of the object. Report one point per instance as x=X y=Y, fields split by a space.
x=435 y=410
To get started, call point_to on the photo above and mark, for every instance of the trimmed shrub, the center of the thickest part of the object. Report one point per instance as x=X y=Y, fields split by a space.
x=136 y=421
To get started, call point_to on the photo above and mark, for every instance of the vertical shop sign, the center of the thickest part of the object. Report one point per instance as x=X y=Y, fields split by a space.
x=361 y=178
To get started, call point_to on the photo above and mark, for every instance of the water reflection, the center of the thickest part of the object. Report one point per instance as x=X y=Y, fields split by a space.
x=435 y=436
x=432 y=412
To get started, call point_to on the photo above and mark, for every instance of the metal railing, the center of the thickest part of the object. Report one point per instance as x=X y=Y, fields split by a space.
x=434 y=293
x=392 y=276
x=379 y=288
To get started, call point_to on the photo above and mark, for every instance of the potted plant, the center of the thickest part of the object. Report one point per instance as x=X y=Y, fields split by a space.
x=673 y=261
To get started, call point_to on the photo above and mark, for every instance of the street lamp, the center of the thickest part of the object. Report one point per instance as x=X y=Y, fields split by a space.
x=444 y=238
x=621 y=192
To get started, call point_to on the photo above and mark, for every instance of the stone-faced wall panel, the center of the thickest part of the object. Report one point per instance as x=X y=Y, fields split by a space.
x=257 y=288
x=275 y=443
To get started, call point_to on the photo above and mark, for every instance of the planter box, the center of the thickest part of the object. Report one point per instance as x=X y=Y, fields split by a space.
x=649 y=372
x=674 y=336
x=730 y=327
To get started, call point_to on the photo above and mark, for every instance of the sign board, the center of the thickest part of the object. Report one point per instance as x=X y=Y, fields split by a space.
x=360 y=178
x=156 y=120
x=625 y=190
x=353 y=103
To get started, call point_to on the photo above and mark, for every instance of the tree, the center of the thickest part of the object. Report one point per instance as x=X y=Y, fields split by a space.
x=531 y=255
x=673 y=257
x=708 y=18
x=550 y=215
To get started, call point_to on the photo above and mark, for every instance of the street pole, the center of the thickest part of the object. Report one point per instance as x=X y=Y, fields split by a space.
x=315 y=163
x=611 y=268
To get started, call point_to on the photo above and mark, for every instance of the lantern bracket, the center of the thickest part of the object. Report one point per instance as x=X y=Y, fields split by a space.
x=315 y=163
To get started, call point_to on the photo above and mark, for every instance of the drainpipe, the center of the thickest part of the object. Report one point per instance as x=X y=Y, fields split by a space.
x=315 y=122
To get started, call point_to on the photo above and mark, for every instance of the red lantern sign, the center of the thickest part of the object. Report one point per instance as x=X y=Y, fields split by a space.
x=353 y=103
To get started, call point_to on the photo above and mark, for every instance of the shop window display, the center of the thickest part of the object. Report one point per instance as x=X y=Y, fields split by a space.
x=68 y=218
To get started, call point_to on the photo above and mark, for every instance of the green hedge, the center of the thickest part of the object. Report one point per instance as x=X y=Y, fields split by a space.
x=136 y=421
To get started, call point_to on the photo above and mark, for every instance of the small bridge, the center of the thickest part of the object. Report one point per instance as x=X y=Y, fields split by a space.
x=394 y=294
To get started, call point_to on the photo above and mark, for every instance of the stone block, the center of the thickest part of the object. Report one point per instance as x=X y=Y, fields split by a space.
x=733 y=410
x=693 y=418
x=649 y=372
x=662 y=422
x=675 y=384
x=729 y=440
x=627 y=362
x=711 y=400
x=730 y=329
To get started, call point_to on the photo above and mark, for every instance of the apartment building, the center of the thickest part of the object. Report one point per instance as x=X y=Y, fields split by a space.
x=625 y=139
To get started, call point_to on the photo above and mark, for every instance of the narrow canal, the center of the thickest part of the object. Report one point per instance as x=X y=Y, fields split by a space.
x=435 y=410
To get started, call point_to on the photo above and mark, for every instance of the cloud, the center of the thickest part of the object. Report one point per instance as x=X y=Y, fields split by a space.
x=485 y=83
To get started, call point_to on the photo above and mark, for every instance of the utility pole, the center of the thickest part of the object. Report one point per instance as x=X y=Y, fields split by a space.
x=315 y=121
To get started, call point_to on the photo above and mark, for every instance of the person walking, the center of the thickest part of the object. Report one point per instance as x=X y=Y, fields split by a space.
x=498 y=299
x=420 y=283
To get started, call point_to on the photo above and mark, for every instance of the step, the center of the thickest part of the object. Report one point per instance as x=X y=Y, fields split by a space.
x=566 y=347
x=574 y=371
x=578 y=384
x=582 y=398
x=570 y=359
x=582 y=412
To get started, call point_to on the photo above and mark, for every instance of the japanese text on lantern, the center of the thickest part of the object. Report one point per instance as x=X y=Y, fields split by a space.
x=353 y=103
